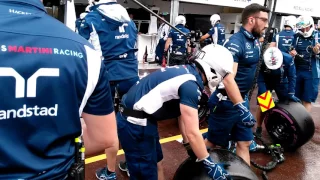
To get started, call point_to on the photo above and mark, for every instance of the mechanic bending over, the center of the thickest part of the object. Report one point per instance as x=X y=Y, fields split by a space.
x=180 y=45
x=59 y=77
x=279 y=74
x=224 y=119
x=111 y=31
x=306 y=52
x=169 y=93
x=283 y=79
x=217 y=32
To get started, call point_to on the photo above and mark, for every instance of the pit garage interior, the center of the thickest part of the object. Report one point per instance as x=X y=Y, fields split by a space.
x=300 y=164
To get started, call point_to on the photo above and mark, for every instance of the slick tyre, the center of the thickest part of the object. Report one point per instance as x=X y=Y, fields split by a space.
x=290 y=125
x=238 y=169
x=202 y=113
x=203 y=108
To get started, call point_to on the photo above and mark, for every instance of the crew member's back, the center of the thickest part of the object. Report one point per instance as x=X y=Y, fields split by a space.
x=47 y=76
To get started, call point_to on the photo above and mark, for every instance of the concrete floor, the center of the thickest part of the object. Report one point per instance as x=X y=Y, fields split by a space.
x=303 y=164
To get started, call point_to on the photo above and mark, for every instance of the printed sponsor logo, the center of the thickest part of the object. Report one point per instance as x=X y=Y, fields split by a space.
x=28 y=89
x=39 y=50
x=13 y=11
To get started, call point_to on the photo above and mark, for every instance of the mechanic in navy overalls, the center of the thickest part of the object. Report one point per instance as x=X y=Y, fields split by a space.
x=180 y=45
x=224 y=122
x=111 y=31
x=217 y=32
x=306 y=53
x=279 y=74
x=283 y=41
x=163 y=33
x=170 y=93
x=50 y=77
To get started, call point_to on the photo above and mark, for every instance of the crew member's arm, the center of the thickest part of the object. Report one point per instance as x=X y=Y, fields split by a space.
x=166 y=31
x=85 y=29
x=235 y=47
x=89 y=32
x=168 y=42
x=100 y=130
x=189 y=98
x=293 y=52
x=230 y=85
x=206 y=36
x=290 y=73
x=232 y=89
x=274 y=41
x=188 y=44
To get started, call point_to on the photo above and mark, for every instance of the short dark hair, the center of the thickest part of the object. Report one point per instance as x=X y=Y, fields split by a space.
x=251 y=10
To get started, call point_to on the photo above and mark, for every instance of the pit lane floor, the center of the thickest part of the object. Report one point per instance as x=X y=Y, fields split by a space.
x=303 y=164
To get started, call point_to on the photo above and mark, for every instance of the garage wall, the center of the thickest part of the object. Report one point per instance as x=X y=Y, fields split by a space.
x=184 y=8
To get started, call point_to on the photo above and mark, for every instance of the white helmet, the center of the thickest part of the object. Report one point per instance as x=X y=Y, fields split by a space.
x=290 y=21
x=214 y=19
x=95 y=2
x=181 y=20
x=304 y=22
x=216 y=63
x=273 y=58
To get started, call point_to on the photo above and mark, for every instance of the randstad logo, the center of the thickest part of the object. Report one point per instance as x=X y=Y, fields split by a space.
x=31 y=86
x=123 y=36
x=28 y=112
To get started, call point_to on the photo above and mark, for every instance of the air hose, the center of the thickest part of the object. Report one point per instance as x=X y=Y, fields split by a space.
x=277 y=157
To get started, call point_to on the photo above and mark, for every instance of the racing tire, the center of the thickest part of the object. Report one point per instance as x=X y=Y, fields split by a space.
x=290 y=125
x=203 y=113
x=238 y=169
x=203 y=109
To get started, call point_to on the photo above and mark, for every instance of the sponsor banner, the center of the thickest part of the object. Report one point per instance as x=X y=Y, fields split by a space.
x=228 y=3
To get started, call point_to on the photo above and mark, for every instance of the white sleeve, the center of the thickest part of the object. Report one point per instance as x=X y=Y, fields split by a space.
x=215 y=35
x=95 y=41
x=166 y=30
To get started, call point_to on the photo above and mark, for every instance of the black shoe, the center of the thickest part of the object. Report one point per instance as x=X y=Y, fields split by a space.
x=123 y=167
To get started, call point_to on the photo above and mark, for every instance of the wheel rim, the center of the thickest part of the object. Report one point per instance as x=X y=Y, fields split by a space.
x=281 y=129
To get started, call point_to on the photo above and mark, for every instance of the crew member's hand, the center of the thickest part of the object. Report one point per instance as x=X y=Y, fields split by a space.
x=292 y=97
x=245 y=115
x=293 y=53
x=215 y=171
x=316 y=49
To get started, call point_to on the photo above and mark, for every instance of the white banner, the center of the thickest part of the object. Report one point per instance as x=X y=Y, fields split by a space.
x=229 y=3
x=299 y=7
